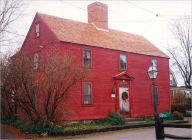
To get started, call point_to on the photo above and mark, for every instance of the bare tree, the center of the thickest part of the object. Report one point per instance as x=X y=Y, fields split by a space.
x=39 y=92
x=17 y=82
x=8 y=14
x=181 y=55
x=58 y=76
x=8 y=105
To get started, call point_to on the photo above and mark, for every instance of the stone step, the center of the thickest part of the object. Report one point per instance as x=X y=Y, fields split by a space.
x=133 y=119
x=135 y=122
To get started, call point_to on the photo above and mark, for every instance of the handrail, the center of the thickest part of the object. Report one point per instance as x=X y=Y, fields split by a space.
x=176 y=137
x=161 y=125
x=176 y=125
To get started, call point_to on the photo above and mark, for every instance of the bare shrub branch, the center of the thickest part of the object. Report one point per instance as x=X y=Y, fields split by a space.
x=39 y=93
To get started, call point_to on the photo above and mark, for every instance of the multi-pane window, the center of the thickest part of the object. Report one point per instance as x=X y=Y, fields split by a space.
x=171 y=79
x=87 y=58
x=37 y=30
x=154 y=62
x=87 y=93
x=36 y=61
x=34 y=94
x=122 y=62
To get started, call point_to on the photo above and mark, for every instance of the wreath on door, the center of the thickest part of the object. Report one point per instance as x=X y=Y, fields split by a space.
x=124 y=95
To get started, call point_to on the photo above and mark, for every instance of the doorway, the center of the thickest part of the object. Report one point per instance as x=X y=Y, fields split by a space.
x=124 y=100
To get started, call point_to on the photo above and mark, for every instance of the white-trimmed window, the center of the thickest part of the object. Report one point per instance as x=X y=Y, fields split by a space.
x=87 y=93
x=122 y=62
x=87 y=58
x=34 y=94
x=37 y=30
x=171 y=79
x=36 y=61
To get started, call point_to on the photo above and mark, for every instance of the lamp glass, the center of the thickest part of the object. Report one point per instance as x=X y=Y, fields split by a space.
x=152 y=72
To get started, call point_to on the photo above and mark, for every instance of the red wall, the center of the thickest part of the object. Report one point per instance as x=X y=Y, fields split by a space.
x=31 y=45
x=105 y=65
x=46 y=39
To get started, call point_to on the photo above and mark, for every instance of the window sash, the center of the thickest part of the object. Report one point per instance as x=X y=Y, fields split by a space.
x=87 y=56
x=171 y=79
x=36 y=61
x=87 y=93
x=122 y=62
x=37 y=30
x=34 y=95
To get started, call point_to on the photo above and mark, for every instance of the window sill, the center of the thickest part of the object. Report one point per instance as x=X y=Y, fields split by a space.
x=87 y=105
x=122 y=70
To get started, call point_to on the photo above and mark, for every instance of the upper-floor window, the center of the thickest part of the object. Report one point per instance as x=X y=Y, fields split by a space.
x=171 y=79
x=87 y=58
x=154 y=62
x=34 y=94
x=122 y=62
x=36 y=61
x=37 y=30
x=87 y=93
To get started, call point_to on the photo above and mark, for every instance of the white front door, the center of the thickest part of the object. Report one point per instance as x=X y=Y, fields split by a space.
x=124 y=104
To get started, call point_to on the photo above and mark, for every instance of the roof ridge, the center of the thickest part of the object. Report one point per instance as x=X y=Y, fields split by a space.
x=116 y=30
x=68 y=30
x=52 y=16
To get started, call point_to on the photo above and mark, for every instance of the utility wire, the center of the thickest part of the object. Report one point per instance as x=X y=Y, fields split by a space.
x=147 y=10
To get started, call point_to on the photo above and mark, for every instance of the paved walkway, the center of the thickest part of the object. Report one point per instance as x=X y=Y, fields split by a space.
x=136 y=134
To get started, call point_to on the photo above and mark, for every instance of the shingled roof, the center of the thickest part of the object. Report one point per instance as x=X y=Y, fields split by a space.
x=87 y=34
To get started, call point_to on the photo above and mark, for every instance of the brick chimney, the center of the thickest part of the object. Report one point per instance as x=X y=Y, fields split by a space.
x=98 y=15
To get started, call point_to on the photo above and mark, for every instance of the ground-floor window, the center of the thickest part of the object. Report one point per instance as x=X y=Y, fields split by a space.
x=87 y=93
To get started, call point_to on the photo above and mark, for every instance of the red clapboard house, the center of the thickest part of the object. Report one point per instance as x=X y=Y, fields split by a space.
x=119 y=62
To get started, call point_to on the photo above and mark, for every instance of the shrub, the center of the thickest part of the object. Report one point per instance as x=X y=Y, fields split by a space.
x=7 y=121
x=188 y=114
x=179 y=102
x=115 y=119
x=29 y=127
x=189 y=103
x=177 y=115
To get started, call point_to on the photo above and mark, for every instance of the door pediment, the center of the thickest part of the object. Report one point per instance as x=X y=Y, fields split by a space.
x=123 y=76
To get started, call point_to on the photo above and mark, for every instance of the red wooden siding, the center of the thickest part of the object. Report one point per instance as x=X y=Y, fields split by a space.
x=105 y=65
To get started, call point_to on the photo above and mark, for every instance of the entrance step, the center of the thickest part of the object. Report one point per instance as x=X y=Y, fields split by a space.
x=133 y=119
x=135 y=122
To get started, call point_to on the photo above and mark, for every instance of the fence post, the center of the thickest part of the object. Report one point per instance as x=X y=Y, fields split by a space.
x=161 y=129
x=158 y=128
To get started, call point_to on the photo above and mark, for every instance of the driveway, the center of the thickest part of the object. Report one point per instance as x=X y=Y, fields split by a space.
x=6 y=133
x=136 y=134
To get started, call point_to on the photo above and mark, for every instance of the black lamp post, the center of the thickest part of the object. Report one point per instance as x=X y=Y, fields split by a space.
x=152 y=72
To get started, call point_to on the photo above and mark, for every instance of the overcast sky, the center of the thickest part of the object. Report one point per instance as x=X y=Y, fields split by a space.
x=151 y=19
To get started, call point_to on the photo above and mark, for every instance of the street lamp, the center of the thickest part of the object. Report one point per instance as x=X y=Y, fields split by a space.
x=152 y=72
